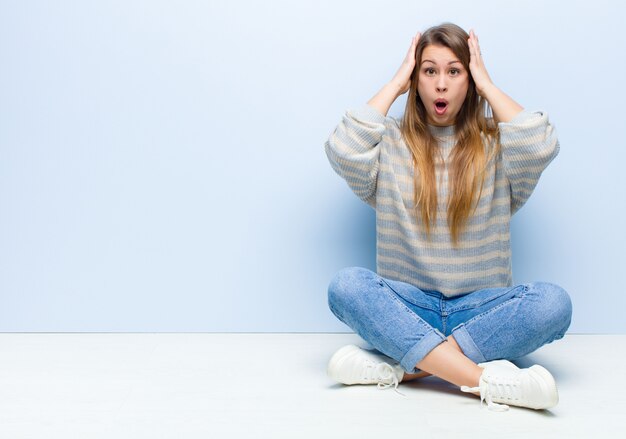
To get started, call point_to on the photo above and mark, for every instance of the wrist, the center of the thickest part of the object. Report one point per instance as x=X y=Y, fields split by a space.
x=487 y=91
x=394 y=88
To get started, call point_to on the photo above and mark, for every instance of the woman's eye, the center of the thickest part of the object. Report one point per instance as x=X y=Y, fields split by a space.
x=455 y=71
x=429 y=71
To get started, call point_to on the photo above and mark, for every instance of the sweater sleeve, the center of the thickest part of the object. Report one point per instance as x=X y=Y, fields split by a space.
x=529 y=143
x=353 y=150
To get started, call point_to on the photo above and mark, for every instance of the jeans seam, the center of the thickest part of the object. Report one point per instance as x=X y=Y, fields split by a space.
x=413 y=315
x=416 y=304
x=495 y=308
x=466 y=307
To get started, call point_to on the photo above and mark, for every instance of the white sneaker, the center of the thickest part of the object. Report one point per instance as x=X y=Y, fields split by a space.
x=504 y=382
x=354 y=365
x=498 y=363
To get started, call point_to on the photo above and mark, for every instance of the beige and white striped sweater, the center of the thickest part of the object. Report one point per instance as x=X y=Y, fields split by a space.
x=367 y=150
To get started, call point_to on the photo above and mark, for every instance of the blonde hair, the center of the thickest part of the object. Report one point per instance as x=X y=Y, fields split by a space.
x=468 y=158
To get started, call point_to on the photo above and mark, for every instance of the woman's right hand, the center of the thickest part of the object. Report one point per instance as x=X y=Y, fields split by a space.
x=402 y=79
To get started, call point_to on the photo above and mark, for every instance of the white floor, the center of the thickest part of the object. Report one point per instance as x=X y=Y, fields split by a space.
x=275 y=386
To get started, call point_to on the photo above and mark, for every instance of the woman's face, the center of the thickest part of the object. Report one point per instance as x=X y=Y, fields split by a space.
x=442 y=78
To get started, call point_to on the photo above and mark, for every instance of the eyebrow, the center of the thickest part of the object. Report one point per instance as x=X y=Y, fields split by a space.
x=451 y=62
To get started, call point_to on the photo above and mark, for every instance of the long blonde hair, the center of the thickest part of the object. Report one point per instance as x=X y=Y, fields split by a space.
x=468 y=158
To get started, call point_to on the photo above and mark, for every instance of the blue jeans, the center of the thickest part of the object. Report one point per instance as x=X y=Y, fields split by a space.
x=406 y=323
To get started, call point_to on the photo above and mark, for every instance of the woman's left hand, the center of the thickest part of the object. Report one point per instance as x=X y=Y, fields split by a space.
x=477 y=66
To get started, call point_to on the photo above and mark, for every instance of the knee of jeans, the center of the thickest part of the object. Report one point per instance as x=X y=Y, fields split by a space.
x=556 y=306
x=346 y=285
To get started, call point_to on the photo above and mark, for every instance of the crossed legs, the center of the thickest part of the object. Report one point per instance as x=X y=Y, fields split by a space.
x=448 y=362
x=512 y=322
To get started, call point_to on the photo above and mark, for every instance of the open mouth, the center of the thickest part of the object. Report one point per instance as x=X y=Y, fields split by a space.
x=441 y=106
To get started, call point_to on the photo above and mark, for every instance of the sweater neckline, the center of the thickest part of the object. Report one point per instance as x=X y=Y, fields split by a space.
x=441 y=131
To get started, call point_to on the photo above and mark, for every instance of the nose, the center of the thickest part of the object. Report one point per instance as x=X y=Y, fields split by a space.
x=441 y=84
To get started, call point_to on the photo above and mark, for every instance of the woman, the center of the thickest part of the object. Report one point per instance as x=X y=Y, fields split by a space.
x=444 y=181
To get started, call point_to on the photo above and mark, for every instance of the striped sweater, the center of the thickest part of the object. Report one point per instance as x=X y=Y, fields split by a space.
x=367 y=150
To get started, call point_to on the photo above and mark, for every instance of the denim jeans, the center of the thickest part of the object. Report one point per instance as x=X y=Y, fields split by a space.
x=406 y=323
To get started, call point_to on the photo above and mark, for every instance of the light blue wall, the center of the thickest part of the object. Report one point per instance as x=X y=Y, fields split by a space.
x=162 y=164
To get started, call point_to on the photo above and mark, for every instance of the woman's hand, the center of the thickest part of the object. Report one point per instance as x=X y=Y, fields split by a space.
x=402 y=79
x=477 y=66
x=504 y=108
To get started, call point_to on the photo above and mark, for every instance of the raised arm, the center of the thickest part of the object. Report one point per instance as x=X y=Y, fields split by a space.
x=529 y=141
x=353 y=149
x=504 y=108
x=400 y=83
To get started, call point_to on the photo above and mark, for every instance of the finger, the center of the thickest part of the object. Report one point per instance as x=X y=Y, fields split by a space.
x=473 y=41
x=475 y=48
x=472 y=47
x=477 y=43
x=414 y=46
x=411 y=48
x=470 y=42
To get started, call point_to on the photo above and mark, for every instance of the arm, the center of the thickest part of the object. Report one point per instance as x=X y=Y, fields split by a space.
x=399 y=84
x=504 y=108
x=353 y=148
x=529 y=142
x=383 y=100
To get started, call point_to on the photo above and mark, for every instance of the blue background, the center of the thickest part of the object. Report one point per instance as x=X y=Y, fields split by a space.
x=162 y=164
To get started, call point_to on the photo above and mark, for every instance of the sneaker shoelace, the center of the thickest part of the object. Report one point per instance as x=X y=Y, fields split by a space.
x=505 y=389
x=384 y=374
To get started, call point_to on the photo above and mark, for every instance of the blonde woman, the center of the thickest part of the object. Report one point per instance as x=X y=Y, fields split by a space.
x=445 y=180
